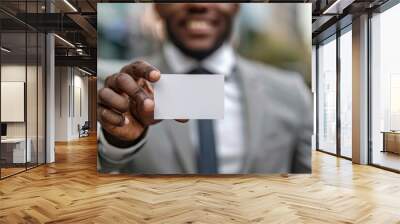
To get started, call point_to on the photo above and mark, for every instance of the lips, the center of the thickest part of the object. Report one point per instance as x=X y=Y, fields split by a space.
x=199 y=26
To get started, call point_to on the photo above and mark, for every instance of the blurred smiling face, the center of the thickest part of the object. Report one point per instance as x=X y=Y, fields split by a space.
x=198 y=29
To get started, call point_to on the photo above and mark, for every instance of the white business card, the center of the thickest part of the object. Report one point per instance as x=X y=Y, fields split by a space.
x=189 y=96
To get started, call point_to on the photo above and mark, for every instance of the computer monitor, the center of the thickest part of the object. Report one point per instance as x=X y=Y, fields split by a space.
x=3 y=129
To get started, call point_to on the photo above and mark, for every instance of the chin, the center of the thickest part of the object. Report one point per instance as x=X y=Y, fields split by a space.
x=199 y=50
x=196 y=48
x=200 y=45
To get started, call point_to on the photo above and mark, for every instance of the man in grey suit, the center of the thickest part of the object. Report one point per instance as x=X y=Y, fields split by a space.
x=267 y=123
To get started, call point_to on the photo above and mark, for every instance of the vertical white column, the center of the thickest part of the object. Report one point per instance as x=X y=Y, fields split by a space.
x=360 y=90
x=50 y=92
x=50 y=99
x=314 y=93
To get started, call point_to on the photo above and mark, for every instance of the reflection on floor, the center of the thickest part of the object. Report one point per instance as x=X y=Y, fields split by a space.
x=71 y=191
x=10 y=170
x=386 y=159
x=346 y=152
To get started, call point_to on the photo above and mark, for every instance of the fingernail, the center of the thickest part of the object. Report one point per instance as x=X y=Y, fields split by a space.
x=126 y=121
x=154 y=75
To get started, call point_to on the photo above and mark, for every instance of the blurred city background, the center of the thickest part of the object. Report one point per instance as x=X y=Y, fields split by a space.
x=276 y=33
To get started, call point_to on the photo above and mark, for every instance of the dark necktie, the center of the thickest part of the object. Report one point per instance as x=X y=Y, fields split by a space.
x=206 y=157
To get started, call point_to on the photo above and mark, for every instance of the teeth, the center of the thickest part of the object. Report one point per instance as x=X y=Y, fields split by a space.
x=198 y=24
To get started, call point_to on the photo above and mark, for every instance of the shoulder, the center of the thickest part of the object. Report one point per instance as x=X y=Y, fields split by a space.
x=272 y=77
x=269 y=75
x=283 y=86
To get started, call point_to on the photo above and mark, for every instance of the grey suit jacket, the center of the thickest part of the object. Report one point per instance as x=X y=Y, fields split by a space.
x=278 y=127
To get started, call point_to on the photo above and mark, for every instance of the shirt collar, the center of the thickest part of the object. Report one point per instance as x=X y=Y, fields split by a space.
x=220 y=62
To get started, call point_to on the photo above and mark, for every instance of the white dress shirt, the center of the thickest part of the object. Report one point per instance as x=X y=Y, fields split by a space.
x=229 y=131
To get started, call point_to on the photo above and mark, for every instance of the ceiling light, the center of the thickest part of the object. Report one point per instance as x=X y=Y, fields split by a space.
x=65 y=41
x=5 y=50
x=70 y=5
x=338 y=6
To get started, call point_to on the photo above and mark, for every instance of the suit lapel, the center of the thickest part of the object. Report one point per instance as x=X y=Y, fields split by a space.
x=179 y=133
x=251 y=90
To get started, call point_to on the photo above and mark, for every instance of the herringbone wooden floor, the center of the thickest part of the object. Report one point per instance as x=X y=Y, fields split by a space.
x=71 y=191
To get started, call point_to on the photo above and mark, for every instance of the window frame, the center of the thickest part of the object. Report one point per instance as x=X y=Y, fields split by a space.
x=334 y=37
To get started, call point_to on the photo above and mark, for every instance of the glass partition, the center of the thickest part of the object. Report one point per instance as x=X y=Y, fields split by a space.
x=14 y=153
x=22 y=87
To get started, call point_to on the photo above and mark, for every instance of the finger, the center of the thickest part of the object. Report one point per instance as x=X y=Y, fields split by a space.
x=113 y=100
x=142 y=105
x=109 y=117
x=125 y=83
x=141 y=101
x=143 y=109
x=146 y=86
x=142 y=69
x=111 y=82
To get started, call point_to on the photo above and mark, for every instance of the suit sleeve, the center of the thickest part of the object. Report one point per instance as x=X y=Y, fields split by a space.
x=112 y=159
x=302 y=154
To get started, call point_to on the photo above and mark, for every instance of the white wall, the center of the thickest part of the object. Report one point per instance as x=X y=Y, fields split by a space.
x=16 y=73
x=70 y=83
x=50 y=93
x=61 y=103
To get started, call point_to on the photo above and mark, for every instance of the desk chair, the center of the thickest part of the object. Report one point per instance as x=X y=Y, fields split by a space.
x=84 y=130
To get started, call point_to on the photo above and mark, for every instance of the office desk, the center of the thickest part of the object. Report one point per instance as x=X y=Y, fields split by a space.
x=13 y=150
x=391 y=142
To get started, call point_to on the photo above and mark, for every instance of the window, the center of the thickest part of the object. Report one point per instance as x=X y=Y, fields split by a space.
x=346 y=93
x=327 y=96
x=385 y=89
x=330 y=134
